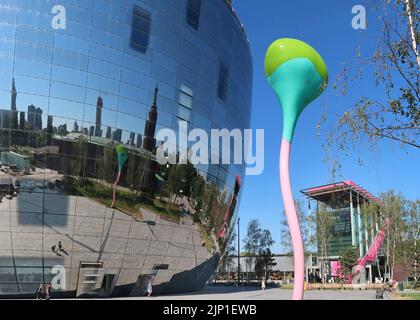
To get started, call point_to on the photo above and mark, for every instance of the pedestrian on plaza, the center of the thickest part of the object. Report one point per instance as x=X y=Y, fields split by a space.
x=48 y=290
x=263 y=284
x=39 y=292
x=60 y=246
x=149 y=288
x=54 y=248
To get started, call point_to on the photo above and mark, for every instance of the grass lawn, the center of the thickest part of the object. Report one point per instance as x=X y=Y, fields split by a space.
x=408 y=296
x=127 y=202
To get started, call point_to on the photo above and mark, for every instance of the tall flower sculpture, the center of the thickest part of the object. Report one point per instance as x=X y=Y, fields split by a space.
x=298 y=75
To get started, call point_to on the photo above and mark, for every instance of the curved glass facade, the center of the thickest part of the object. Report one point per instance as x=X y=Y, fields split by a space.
x=112 y=73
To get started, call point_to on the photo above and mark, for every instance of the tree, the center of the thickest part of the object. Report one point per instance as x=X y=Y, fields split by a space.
x=265 y=263
x=402 y=241
x=256 y=242
x=395 y=64
x=413 y=234
x=266 y=241
x=324 y=221
x=253 y=237
x=106 y=165
x=348 y=259
x=229 y=257
x=181 y=180
x=307 y=225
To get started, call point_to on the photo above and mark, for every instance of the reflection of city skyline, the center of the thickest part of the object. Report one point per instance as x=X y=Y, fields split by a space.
x=90 y=84
x=32 y=120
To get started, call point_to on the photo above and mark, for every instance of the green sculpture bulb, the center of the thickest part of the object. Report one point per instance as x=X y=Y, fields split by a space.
x=298 y=75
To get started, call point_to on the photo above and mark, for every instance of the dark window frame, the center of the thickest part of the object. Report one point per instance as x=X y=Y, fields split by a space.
x=222 y=86
x=140 y=29
x=193 y=13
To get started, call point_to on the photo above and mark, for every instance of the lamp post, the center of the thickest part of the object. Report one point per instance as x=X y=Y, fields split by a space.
x=239 y=255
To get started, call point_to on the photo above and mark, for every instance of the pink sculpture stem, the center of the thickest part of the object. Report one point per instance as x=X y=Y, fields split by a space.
x=292 y=220
x=115 y=188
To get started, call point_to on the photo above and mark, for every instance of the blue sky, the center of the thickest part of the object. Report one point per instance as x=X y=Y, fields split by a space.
x=326 y=25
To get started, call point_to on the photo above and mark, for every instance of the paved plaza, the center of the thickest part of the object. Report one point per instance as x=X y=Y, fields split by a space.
x=233 y=293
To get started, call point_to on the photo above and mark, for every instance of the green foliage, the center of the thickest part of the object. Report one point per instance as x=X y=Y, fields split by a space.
x=126 y=201
x=392 y=111
x=402 y=240
x=231 y=250
x=324 y=221
x=265 y=263
x=181 y=180
x=257 y=240
x=348 y=259
x=307 y=225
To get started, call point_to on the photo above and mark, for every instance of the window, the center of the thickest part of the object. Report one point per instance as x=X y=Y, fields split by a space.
x=193 y=13
x=222 y=87
x=140 y=29
x=185 y=103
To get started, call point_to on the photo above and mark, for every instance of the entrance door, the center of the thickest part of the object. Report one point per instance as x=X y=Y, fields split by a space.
x=89 y=279
x=143 y=282
x=107 y=286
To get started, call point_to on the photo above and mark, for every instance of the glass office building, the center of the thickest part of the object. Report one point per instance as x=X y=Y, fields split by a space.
x=76 y=82
x=352 y=224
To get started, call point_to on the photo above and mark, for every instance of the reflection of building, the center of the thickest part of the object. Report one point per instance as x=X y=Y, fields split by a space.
x=31 y=115
x=108 y=133
x=5 y=118
x=117 y=135
x=98 y=123
x=139 y=142
x=38 y=119
x=14 y=95
x=351 y=224
x=35 y=117
x=122 y=247
x=283 y=268
x=13 y=112
x=149 y=141
x=22 y=120
x=231 y=209
x=131 y=139
x=20 y=162
x=75 y=127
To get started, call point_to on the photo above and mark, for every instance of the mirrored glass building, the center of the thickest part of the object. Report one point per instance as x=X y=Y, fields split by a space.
x=86 y=80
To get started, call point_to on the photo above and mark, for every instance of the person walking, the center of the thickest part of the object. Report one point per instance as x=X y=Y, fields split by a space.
x=39 y=292
x=149 y=288
x=48 y=290
x=263 y=284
